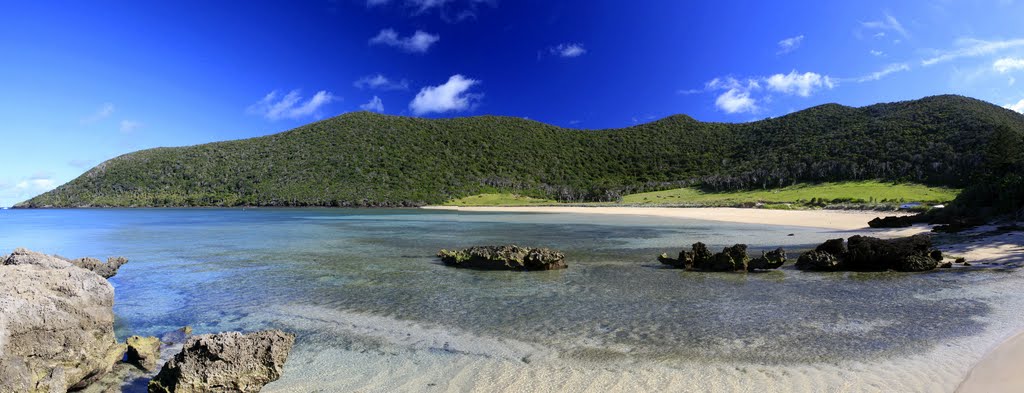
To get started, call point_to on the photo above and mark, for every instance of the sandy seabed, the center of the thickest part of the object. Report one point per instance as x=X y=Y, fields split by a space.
x=396 y=355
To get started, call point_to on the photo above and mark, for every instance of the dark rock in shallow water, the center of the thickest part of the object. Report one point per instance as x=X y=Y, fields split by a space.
x=225 y=362
x=509 y=257
x=768 y=260
x=892 y=222
x=836 y=247
x=731 y=259
x=863 y=253
x=819 y=261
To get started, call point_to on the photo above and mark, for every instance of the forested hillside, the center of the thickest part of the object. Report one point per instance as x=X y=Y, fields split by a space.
x=367 y=159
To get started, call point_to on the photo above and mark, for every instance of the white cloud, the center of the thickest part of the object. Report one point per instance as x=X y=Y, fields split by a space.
x=375 y=105
x=568 y=50
x=890 y=69
x=1008 y=64
x=889 y=23
x=790 y=44
x=104 y=112
x=380 y=82
x=876 y=53
x=450 y=96
x=290 y=106
x=129 y=126
x=736 y=101
x=972 y=48
x=418 y=42
x=1019 y=106
x=800 y=84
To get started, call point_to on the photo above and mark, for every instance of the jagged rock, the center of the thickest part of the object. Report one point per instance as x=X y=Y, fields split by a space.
x=509 y=257
x=107 y=270
x=768 y=260
x=143 y=352
x=732 y=258
x=836 y=247
x=177 y=336
x=916 y=263
x=702 y=257
x=667 y=260
x=225 y=362
x=874 y=254
x=820 y=261
x=892 y=222
x=56 y=324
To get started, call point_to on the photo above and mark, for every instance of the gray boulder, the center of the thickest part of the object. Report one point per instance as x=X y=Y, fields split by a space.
x=107 y=270
x=768 y=260
x=56 y=324
x=820 y=261
x=225 y=362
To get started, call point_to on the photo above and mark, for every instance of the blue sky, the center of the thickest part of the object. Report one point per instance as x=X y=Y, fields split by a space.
x=82 y=82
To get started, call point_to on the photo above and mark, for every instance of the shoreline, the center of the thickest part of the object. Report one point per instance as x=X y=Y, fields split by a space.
x=847 y=220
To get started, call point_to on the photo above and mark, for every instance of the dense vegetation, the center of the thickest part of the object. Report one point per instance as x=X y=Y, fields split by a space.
x=366 y=159
x=860 y=192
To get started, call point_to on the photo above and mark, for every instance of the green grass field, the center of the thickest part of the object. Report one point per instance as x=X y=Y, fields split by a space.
x=857 y=192
x=865 y=192
x=499 y=199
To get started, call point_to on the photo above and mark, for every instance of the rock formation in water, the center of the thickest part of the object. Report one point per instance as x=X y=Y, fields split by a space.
x=731 y=259
x=107 y=270
x=863 y=253
x=143 y=352
x=509 y=257
x=56 y=324
x=892 y=222
x=225 y=362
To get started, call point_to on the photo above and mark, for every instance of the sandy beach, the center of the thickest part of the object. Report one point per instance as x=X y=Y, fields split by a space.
x=830 y=219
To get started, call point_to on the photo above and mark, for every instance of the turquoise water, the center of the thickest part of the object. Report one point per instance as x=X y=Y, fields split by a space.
x=223 y=269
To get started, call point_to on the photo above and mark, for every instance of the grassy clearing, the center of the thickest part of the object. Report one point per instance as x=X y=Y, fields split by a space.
x=855 y=192
x=499 y=199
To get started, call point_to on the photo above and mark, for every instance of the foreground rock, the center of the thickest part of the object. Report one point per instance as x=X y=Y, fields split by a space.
x=107 y=270
x=509 y=257
x=863 y=253
x=731 y=259
x=143 y=352
x=225 y=362
x=56 y=324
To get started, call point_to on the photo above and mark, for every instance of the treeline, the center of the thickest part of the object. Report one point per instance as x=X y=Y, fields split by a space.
x=366 y=159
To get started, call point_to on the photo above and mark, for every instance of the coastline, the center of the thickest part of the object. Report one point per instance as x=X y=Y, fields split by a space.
x=847 y=220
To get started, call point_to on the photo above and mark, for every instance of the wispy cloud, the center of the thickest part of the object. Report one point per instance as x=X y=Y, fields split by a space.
x=375 y=105
x=418 y=42
x=381 y=82
x=1019 y=106
x=876 y=53
x=273 y=106
x=799 y=84
x=738 y=95
x=451 y=96
x=103 y=112
x=887 y=23
x=1008 y=64
x=890 y=69
x=451 y=11
x=568 y=50
x=790 y=44
x=129 y=126
x=972 y=48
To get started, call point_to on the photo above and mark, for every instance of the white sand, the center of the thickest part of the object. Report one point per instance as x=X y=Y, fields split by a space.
x=831 y=219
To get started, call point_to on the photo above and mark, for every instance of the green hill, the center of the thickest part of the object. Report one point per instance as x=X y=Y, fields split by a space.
x=366 y=159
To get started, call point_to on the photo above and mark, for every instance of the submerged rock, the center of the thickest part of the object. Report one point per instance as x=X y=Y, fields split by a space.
x=56 y=324
x=143 y=352
x=864 y=253
x=225 y=362
x=509 y=257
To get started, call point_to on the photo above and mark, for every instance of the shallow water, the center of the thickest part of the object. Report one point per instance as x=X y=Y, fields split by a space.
x=362 y=288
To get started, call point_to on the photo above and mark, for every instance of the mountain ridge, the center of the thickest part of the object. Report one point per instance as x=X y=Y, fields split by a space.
x=368 y=159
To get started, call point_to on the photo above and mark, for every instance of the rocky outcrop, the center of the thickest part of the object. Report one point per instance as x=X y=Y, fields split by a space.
x=509 y=257
x=225 y=362
x=56 y=324
x=143 y=352
x=107 y=270
x=731 y=259
x=863 y=253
